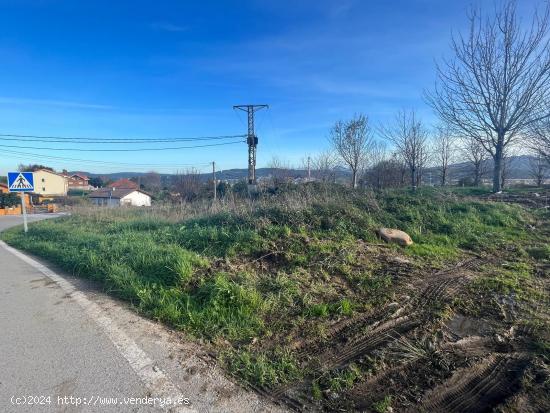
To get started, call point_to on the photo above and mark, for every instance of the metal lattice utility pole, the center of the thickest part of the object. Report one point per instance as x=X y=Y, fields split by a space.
x=252 y=139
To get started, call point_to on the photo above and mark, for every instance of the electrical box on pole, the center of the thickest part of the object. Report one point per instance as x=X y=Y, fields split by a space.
x=252 y=139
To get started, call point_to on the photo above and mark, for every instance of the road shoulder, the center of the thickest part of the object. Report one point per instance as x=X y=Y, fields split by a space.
x=165 y=360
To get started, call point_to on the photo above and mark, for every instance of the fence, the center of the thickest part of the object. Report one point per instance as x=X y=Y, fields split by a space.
x=10 y=211
x=42 y=209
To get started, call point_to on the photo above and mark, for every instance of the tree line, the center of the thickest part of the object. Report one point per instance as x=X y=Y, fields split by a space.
x=490 y=96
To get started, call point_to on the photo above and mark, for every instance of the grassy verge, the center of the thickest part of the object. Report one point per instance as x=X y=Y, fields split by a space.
x=253 y=279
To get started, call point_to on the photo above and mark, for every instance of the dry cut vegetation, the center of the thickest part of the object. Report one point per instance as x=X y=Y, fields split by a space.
x=298 y=299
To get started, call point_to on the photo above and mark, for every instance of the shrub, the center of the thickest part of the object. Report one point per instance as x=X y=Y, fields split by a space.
x=8 y=200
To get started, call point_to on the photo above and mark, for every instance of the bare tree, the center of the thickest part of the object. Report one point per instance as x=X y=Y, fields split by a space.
x=474 y=153
x=424 y=157
x=373 y=175
x=538 y=169
x=323 y=166
x=498 y=81
x=507 y=158
x=444 y=151
x=410 y=139
x=187 y=184
x=281 y=171
x=351 y=140
x=151 y=181
x=403 y=168
x=385 y=169
x=539 y=137
x=388 y=173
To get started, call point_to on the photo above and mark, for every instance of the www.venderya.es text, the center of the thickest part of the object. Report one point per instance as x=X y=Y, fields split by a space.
x=95 y=400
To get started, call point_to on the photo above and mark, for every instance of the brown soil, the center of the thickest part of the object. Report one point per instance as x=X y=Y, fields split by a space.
x=475 y=364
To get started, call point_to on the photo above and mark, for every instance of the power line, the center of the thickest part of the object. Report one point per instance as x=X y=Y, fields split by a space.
x=122 y=150
x=106 y=163
x=64 y=139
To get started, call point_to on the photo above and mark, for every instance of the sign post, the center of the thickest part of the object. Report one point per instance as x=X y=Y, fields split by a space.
x=21 y=182
x=24 y=208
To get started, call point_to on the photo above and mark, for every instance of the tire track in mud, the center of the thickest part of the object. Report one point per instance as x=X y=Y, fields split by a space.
x=445 y=282
x=384 y=334
x=441 y=290
x=440 y=285
x=476 y=346
x=479 y=388
x=339 y=333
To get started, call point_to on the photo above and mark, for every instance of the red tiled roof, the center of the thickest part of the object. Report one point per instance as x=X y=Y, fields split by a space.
x=124 y=183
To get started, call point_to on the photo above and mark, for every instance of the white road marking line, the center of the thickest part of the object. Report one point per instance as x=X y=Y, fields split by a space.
x=153 y=377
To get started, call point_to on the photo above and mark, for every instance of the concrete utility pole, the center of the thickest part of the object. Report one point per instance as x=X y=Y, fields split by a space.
x=252 y=139
x=214 y=179
x=308 y=168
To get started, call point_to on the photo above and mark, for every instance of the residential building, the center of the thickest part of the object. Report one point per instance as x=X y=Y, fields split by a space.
x=124 y=183
x=50 y=183
x=120 y=197
x=79 y=182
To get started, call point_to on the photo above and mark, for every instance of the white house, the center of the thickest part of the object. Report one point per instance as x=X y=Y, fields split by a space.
x=120 y=197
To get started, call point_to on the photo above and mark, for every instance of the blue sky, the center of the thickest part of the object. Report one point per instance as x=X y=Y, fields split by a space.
x=163 y=69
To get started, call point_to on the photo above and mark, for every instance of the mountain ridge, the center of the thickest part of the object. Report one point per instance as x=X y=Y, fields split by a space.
x=519 y=169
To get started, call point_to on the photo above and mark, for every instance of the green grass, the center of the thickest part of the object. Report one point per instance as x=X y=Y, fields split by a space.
x=344 y=378
x=382 y=406
x=470 y=190
x=264 y=369
x=540 y=252
x=509 y=278
x=250 y=279
x=342 y=307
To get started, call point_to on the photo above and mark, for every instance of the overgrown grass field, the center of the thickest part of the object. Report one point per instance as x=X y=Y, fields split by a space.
x=255 y=279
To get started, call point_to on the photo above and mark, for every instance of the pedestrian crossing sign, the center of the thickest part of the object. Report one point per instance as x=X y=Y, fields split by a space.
x=20 y=182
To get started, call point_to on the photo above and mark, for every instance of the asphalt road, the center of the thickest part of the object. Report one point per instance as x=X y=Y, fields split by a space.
x=50 y=347
x=62 y=337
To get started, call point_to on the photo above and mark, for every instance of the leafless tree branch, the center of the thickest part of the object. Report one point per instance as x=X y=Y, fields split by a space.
x=410 y=138
x=351 y=140
x=496 y=85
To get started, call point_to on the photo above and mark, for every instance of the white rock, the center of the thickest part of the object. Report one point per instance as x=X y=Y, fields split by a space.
x=395 y=235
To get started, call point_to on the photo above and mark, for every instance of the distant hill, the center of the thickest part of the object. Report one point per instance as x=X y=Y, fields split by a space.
x=519 y=169
x=227 y=174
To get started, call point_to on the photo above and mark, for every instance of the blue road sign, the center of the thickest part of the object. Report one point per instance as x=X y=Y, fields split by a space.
x=20 y=182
